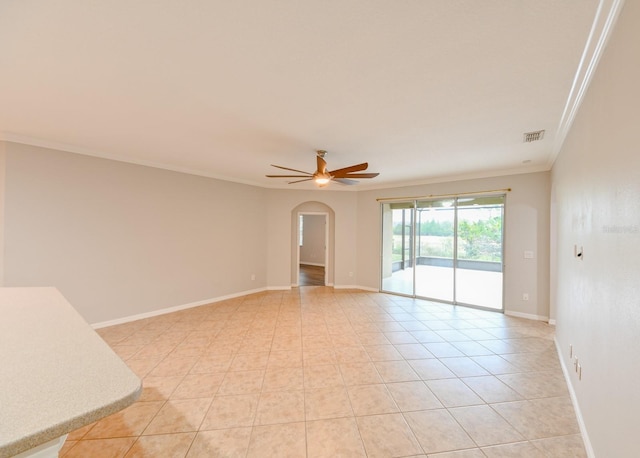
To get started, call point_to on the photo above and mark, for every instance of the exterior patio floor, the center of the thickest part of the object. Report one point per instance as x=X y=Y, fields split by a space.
x=473 y=287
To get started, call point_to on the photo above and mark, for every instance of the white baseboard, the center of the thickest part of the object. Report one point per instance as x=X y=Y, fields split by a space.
x=176 y=308
x=529 y=316
x=574 y=400
x=363 y=288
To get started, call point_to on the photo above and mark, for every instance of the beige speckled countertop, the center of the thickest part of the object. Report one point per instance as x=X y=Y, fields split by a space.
x=56 y=373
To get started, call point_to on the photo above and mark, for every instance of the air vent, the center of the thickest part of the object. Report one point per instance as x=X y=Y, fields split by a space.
x=533 y=136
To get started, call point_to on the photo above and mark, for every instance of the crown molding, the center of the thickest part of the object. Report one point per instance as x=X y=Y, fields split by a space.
x=601 y=29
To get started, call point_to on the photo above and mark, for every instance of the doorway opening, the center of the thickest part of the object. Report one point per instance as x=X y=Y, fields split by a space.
x=313 y=240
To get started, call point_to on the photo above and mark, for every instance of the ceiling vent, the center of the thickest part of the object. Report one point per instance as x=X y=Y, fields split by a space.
x=533 y=136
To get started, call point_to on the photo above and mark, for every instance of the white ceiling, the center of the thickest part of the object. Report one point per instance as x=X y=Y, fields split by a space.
x=423 y=90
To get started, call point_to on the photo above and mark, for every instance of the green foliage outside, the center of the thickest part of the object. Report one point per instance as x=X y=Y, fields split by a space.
x=477 y=240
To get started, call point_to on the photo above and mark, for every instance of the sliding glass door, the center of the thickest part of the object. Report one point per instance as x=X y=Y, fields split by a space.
x=397 y=246
x=479 y=251
x=435 y=249
x=448 y=249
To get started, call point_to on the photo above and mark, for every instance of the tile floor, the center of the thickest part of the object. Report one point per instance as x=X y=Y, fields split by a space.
x=317 y=372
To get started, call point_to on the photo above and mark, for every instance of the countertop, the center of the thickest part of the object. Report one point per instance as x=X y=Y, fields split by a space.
x=56 y=373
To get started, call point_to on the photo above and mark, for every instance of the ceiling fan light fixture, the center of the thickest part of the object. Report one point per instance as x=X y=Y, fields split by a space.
x=322 y=179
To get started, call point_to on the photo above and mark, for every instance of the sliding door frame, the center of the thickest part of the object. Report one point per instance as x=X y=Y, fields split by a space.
x=455 y=260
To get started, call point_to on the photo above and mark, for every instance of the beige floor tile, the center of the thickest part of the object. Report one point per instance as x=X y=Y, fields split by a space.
x=286 y=379
x=485 y=426
x=496 y=364
x=319 y=356
x=438 y=431
x=322 y=377
x=246 y=356
x=180 y=415
x=213 y=363
x=373 y=338
x=517 y=450
x=411 y=396
x=351 y=354
x=280 y=407
x=282 y=359
x=101 y=448
x=159 y=388
x=464 y=366
x=128 y=422
x=443 y=349
x=127 y=351
x=345 y=340
x=371 y=400
x=540 y=418
x=431 y=369
x=396 y=371
x=491 y=389
x=469 y=453
x=286 y=440
x=387 y=435
x=338 y=437
x=231 y=412
x=383 y=353
x=536 y=384
x=453 y=335
x=453 y=393
x=250 y=361
x=323 y=403
x=399 y=338
x=570 y=446
x=414 y=351
x=223 y=443
x=165 y=445
x=173 y=366
x=426 y=336
x=198 y=386
x=241 y=382
x=360 y=373
x=537 y=361
x=143 y=366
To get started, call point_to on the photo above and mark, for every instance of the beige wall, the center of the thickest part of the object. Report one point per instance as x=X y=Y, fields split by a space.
x=282 y=207
x=313 y=240
x=596 y=198
x=2 y=188
x=120 y=239
x=526 y=229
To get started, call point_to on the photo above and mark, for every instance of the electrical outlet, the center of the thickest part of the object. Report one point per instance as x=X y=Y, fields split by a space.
x=525 y=296
x=253 y=277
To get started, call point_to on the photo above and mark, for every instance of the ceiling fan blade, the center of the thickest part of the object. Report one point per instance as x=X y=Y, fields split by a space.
x=345 y=181
x=359 y=175
x=288 y=176
x=300 y=181
x=293 y=170
x=354 y=168
x=322 y=165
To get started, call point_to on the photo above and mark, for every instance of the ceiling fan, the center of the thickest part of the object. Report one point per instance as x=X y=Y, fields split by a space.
x=322 y=176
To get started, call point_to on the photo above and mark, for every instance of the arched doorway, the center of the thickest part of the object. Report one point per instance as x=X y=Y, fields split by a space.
x=312 y=244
